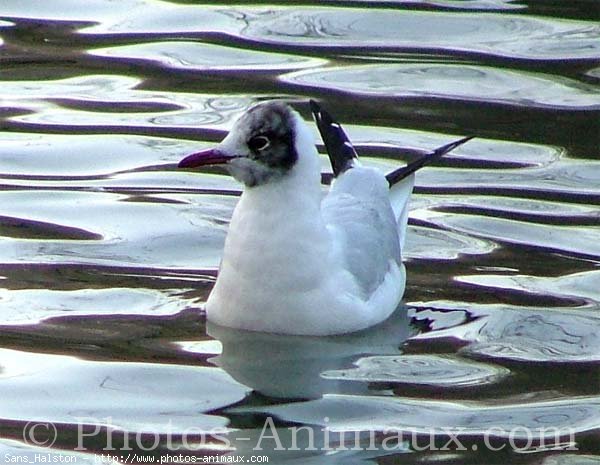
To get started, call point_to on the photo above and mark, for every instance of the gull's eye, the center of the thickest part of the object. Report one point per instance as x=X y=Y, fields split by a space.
x=258 y=143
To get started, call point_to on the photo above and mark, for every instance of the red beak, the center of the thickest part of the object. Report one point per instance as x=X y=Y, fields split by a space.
x=206 y=157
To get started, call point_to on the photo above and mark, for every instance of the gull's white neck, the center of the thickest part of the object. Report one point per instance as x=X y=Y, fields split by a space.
x=292 y=200
x=277 y=249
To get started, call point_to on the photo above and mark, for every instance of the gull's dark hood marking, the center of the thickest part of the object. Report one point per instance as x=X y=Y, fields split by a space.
x=343 y=155
x=259 y=148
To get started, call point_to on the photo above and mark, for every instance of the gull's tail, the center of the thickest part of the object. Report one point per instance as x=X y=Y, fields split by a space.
x=402 y=181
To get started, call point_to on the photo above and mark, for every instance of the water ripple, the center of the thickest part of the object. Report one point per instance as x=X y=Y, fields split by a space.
x=43 y=156
x=462 y=82
x=157 y=17
x=199 y=56
x=594 y=73
x=70 y=10
x=563 y=179
x=438 y=244
x=128 y=106
x=51 y=102
x=517 y=420
x=384 y=144
x=549 y=237
x=572 y=459
x=585 y=285
x=31 y=229
x=557 y=335
x=461 y=4
x=539 y=211
x=130 y=396
x=539 y=337
x=125 y=242
x=503 y=35
x=85 y=88
x=430 y=370
x=21 y=307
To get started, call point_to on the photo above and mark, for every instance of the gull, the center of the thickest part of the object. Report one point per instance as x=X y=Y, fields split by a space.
x=296 y=261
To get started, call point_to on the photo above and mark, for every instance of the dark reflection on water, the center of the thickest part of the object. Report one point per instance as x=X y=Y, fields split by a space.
x=107 y=251
x=295 y=367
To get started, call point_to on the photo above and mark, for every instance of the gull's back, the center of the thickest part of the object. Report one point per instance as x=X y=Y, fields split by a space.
x=358 y=213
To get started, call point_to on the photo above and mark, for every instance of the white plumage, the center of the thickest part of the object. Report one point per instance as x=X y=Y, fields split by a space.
x=296 y=262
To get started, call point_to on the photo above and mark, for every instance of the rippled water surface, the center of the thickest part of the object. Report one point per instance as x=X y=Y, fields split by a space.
x=107 y=251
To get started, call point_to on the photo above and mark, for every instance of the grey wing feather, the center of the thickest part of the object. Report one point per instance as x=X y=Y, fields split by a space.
x=358 y=210
x=358 y=207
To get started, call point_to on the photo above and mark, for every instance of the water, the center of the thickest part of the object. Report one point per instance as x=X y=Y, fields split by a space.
x=107 y=250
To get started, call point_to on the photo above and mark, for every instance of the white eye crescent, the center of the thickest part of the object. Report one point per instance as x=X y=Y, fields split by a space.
x=258 y=143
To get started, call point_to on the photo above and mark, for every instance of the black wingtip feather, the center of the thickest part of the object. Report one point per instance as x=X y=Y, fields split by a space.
x=342 y=154
x=401 y=173
x=339 y=148
x=314 y=107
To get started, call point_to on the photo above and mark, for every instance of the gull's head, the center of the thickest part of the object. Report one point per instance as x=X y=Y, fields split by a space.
x=261 y=147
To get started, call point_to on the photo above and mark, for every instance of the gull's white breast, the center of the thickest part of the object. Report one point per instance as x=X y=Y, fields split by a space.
x=295 y=263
